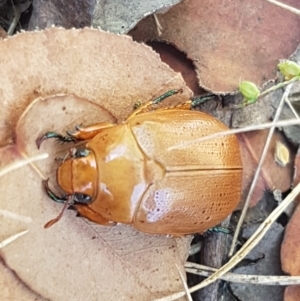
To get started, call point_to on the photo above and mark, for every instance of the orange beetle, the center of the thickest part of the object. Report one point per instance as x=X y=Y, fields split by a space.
x=127 y=173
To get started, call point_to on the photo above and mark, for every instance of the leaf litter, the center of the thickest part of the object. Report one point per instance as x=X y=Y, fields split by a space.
x=60 y=86
x=228 y=41
x=35 y=94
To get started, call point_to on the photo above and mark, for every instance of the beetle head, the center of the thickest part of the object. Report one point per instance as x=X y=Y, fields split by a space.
x=78 y=176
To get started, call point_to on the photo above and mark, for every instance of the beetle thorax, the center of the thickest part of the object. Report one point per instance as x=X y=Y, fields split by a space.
x=79 y=175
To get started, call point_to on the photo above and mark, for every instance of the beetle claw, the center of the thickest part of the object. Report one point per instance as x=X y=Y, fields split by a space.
x=39 y=141
x=70 y=133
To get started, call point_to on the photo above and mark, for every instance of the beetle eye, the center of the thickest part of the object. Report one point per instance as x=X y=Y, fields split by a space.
x=82 y=198
x=81 y=152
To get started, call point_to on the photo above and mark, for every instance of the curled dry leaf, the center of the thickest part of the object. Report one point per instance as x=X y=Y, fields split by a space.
x=290 y=255
x=178 y=61
x=228 y=41
x=119 y=16
x=290 y=259
x=272 y=175
x=296 y=179
x=292 y=293
x=64 y=78
x=12 y=288
x=65 y=13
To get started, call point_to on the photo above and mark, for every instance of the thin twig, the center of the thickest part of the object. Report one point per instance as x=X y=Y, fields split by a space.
x=257 y=172
x=186 y=289
x=288 y=102
x=264 y=174
x=15 y=21
x=285 y=6
x=19 y=164
x=11 y=215
x=12 y=238
x=158 y=26
x=205 y=271
x=250 y=128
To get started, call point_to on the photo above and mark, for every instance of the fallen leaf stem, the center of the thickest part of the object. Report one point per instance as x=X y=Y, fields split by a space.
x=20 y=163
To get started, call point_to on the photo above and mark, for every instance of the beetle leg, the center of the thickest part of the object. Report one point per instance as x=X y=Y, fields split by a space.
x=52 y=195
x=79 y=134
x=57 y=136
x=218 y=230
x=196 y=101
x=86 y=133
x=93 y=216
x=143 y=108
x=160 y=98
x=191 y=103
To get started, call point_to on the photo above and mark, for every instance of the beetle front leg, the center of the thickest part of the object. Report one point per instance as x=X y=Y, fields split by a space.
x=52 y=195
x=59 y=137
x=80 y=133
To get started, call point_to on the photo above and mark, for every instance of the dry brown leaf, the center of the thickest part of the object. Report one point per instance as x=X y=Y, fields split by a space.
x=61 y=79
x=228 y=41
x=178 y=61
x=272 y=175
x=12 y=288
x=296 y=179
x=63 y=13
x=292 y=293
x=119 y=16
x=2 y=33
x=290 y=255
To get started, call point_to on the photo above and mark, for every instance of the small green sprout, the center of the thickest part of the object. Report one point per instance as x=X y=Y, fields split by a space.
x=250 y=91
x=289 y=69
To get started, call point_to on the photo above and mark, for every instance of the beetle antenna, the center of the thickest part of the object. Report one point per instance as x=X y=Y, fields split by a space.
x=55 y=220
